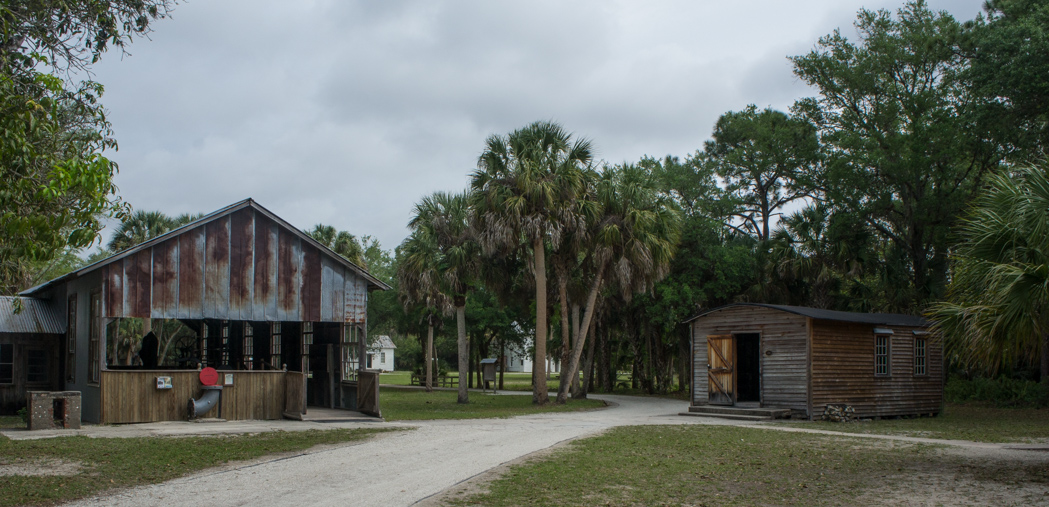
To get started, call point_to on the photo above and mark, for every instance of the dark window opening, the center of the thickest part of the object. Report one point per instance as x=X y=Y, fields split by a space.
x=36 y=366
x=881 y=355
x=7 y=363
x=748 y=367
x=919 y=356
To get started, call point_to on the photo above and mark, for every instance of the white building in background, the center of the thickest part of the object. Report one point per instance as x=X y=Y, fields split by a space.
x=380 y=353
x=519 y=359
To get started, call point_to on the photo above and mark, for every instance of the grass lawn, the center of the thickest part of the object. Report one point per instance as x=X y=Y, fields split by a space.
x=98 y=464
x=11 y=421
x=717 y=465
x=415 y=405
x=972 y=421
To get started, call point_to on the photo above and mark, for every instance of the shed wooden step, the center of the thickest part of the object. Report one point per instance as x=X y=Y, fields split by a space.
x=766 y=413
x=735 y=417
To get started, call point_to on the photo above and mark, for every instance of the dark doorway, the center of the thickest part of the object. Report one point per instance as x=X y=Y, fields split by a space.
x=748 y=369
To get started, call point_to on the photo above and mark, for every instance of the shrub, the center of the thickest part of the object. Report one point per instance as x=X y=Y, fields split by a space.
x=1002 y=392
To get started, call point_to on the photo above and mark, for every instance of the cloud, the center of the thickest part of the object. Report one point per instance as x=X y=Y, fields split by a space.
x=347 y=112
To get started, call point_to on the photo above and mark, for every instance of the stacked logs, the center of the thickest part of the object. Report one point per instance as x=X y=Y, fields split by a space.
x=839 y=413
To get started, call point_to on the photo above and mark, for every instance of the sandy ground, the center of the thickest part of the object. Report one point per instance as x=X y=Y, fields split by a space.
x=434 y=457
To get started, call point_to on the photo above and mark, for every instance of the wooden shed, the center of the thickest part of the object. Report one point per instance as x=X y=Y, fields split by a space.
x=802 y=359
x=280 y=316
x=30 y=339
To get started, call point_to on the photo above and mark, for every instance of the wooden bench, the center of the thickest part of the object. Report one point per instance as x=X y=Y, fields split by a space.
x=438 y=381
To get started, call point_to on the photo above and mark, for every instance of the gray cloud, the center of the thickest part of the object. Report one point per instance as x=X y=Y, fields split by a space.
x=347 y=113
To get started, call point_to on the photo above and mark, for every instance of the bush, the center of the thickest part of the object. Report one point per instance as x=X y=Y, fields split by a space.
x=24 y=414
x=1002 y=392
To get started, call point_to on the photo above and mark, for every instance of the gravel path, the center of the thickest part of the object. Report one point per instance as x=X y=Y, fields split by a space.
x=399 y=468
x=406 y=467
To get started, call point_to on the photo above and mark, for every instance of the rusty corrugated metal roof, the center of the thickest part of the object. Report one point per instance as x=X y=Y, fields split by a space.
x=35 y=316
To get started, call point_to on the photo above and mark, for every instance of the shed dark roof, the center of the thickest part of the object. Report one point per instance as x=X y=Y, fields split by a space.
x=373 y=283
x=883 y=319
x=35 y=316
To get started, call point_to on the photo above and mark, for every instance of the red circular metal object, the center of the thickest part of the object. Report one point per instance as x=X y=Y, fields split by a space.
x=209 y=377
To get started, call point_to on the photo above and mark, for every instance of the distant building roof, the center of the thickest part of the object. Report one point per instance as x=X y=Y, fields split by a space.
x=884 y=319
x=383 y=342
x=35 y=316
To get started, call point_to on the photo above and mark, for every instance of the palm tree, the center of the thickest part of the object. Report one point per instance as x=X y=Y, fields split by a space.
x=419 y=280
x=634 y=240
x=522 y=185
x=997 y=313
x=139 y=227
x=340 y=242
x=443 y=219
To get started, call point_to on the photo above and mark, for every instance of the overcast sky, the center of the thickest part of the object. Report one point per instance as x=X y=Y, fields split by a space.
x=347 y=113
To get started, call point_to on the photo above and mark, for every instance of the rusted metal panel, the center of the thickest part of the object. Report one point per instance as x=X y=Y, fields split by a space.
x=310 y=294
x=327 y=291
x=113 y=283
x=35 y=316
x=338 y=293
x=289 y=276
x=264 y=305
x=356 y=299
x=191 y=274
x=216 y=269
x=137 y=284
x=241 y=270
x=165 y=280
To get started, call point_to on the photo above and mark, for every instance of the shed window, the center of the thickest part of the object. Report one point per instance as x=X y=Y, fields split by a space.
x=36 y=370
x=919 y=356
x=382 y=357
x=881 y=355
x=249 y=345
x=7 y=363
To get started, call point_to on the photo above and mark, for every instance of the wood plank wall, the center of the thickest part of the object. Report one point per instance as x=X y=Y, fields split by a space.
x=13 y=396
x=133 y=397
x=843 y=371
x=784 y=372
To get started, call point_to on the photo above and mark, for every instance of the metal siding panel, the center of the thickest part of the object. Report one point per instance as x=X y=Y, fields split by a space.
x=338 y=291
x=165 y=280
x=356 y=299
x=327 y=291
x=241 y=275
x=37 y=316
x=140 y=270
x=310 y=295
x=289 y=276
x=191 y=274
x=216 y=269
x=264 y=305
x=113 y=280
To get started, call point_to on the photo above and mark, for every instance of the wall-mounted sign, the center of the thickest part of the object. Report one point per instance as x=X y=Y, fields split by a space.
x=163 y=382
x=229 y=379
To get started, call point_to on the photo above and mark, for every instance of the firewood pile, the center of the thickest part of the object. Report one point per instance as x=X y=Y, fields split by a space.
x=839 y=413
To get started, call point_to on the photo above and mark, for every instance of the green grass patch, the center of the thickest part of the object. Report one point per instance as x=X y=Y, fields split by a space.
x=719 y=465
x=976 y=422
x=11 y=421
x=106 y=463
x=417 y=405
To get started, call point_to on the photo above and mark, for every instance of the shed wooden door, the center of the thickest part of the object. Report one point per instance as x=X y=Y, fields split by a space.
x=721 y=370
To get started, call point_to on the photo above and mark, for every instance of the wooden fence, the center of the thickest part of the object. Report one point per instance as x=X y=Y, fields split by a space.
x=133 y=397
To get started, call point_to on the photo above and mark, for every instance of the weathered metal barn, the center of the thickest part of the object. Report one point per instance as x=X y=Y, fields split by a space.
x=280 y=316
x=803 y=359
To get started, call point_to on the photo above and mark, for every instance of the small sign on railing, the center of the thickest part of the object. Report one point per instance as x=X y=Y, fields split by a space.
x=163 y=382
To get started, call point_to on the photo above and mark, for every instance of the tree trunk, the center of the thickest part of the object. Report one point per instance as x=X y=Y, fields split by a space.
x=566 y=341
x=571 y=370
x=429 y=355
x=1045 y=358
x=539 y=392
x=588 y=366
x=502 y=360
x=464 y=350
